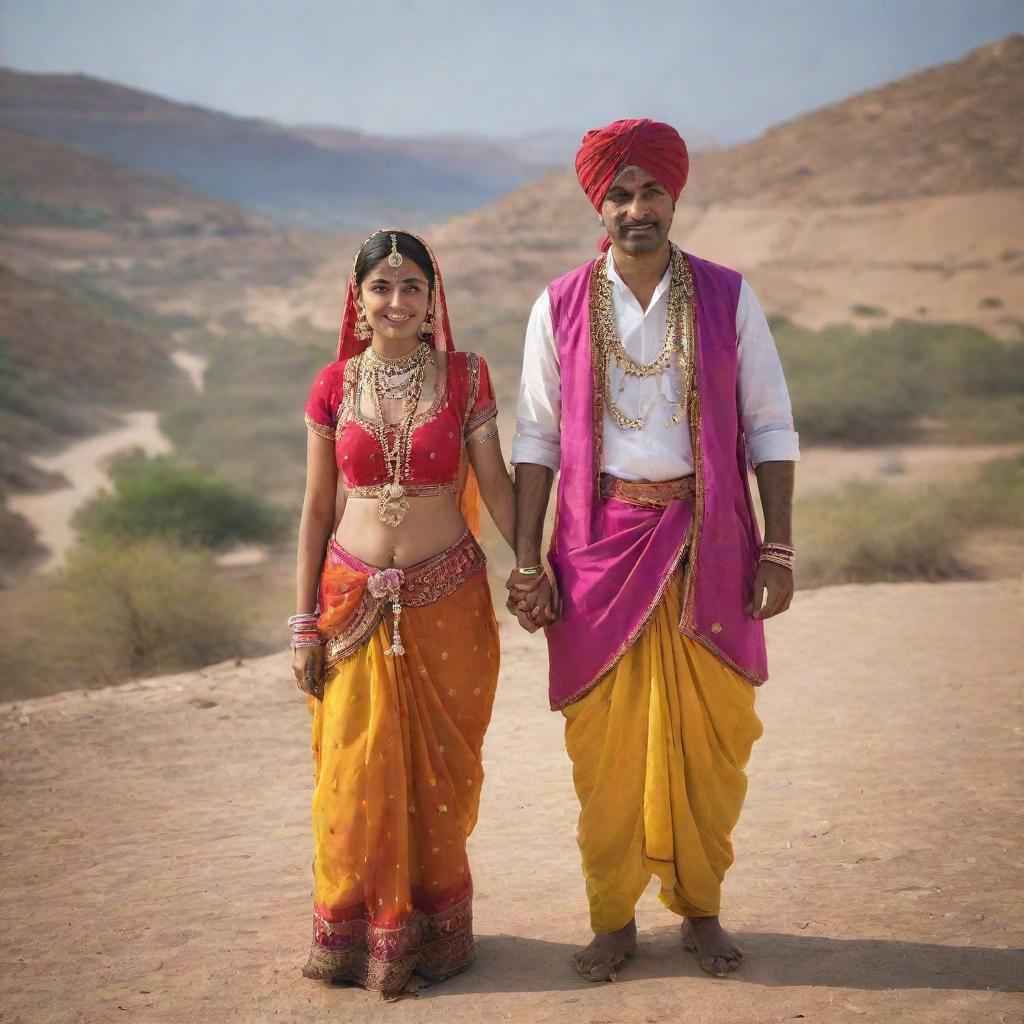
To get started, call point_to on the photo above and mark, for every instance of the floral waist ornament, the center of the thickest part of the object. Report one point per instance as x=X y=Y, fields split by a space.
x=386 y=585
x=349 y=599
x=355 y=596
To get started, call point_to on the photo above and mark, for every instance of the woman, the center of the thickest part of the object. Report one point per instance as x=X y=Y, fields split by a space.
x=401 y=659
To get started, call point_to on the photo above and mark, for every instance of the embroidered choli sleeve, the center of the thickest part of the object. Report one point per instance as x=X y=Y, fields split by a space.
x=322 y=403
x=480 y=405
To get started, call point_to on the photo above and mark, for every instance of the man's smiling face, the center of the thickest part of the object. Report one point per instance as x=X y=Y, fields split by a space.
x=637 y=211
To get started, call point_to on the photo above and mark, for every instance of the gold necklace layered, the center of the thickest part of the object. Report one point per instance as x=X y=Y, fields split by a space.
x=678 y=339
x=395 y=380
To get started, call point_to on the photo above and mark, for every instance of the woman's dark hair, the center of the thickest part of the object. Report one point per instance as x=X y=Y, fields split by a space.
x=378 y=247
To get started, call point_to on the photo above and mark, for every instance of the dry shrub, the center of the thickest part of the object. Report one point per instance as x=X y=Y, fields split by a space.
x=116 y=613
x=869 y=533
x=147 y=607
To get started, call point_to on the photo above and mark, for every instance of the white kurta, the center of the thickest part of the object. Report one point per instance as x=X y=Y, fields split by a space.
x=659 y=451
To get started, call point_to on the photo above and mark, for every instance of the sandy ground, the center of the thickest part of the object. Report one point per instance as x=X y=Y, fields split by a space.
x=825 y=468
x=155 y=843
x=83 y=464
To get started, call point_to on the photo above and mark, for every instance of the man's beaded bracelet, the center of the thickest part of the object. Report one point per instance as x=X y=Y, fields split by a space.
x=779 y=554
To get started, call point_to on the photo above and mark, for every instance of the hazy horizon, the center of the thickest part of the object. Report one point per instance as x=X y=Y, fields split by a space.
x=448 y=67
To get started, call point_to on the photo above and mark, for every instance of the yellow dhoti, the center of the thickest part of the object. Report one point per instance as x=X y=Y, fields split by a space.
x=659 y=748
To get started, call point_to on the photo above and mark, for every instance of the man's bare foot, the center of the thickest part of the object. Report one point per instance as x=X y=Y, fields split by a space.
x=601 y=960
x=715 y=949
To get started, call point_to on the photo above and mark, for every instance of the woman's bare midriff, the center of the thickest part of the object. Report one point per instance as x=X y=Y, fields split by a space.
x=431 y=526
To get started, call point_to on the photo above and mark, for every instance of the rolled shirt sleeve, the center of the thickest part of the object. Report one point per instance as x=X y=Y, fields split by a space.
x=766 y=415
x=539 y=412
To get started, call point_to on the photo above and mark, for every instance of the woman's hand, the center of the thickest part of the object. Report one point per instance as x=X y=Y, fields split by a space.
x=308 y=666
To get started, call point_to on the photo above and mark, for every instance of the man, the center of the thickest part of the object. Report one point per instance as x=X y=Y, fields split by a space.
x=650 y=377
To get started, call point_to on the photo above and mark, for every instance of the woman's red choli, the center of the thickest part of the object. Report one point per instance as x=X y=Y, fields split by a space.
x=462 y=401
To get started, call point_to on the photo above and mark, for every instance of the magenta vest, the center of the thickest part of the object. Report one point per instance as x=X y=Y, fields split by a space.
x=613 y=560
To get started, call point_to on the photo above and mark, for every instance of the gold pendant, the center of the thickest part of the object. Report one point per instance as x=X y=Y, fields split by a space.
x=392 y=505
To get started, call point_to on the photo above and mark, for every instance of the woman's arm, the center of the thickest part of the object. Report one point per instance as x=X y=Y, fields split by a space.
x=484 y=448
x=318 y=518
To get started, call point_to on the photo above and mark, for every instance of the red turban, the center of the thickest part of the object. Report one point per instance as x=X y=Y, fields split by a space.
x=652 y=145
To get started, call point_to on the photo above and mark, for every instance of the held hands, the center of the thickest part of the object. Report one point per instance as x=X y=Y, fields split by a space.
x=308 y=666
x=534 y=600
x=773 y=590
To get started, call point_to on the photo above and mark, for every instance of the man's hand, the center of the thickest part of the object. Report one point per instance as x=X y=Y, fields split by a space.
x=773 y=590
x=532 y=599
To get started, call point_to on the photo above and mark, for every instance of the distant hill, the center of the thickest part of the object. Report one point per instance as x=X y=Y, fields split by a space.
x=137 y=235
x=948 y=130
x=492 y=165
x=909 y=205
x=101 y=268
x=67 y=357
x=905 y=201
x=312 y=177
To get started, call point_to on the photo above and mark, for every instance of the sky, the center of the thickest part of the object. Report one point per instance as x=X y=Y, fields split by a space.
x=728 y=68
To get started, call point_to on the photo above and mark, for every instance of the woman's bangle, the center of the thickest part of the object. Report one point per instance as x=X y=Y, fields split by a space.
x=300 y=640
x=530 y=570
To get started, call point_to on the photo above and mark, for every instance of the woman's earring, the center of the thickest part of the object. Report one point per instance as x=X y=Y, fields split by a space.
x=364 y=332
x=426 y=328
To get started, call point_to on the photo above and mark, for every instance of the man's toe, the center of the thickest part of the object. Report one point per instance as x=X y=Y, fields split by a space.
x=716 y=965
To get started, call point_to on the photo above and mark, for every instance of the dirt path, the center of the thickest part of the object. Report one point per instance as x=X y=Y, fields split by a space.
x=83 y=463
x=194 y=366
x=155 y=843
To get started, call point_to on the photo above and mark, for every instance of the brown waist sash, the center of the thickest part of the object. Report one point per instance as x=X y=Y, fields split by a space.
x=647 y=493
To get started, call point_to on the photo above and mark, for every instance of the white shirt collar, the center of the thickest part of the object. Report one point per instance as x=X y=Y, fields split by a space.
x=613 y=275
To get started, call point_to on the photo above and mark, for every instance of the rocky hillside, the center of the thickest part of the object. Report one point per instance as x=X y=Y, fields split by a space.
x=144 y=238
x=949 y=130
x=68 y=358
x=319 y=178
x=905 y=201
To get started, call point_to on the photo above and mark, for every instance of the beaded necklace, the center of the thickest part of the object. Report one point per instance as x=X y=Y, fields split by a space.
x=397 y=380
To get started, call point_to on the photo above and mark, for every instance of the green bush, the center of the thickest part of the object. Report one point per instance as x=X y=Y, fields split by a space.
x=850 y=387
x=161 y=497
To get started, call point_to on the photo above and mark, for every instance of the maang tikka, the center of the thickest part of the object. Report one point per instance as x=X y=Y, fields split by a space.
x=395 y=259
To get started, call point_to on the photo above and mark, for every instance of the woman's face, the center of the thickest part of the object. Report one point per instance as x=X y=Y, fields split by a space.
x=395 y=300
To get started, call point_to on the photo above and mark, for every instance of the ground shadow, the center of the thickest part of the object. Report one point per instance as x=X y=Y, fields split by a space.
x=510 y=963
